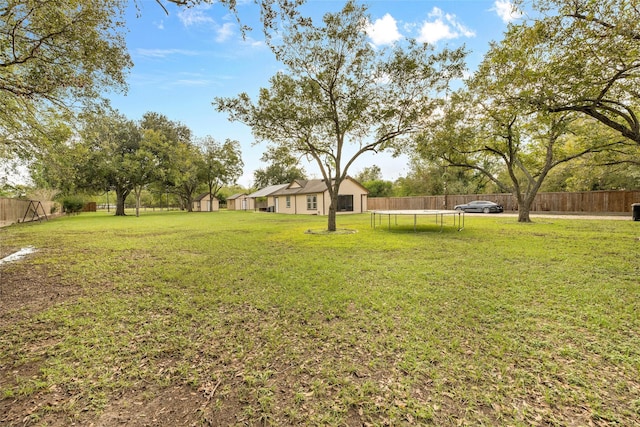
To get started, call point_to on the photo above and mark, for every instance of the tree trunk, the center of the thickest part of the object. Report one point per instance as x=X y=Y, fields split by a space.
x=331 y=225
x=333 y=207
x=524 y=206
x=121 y=196
x=523 y=212
x=138 y=194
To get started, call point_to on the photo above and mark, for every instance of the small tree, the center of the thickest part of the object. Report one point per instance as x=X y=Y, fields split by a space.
x=145 y=163
x=338 y=91
x=221 y=163
x=72 y=204
x=185 y=173
x=369 y=173
x=283 y=167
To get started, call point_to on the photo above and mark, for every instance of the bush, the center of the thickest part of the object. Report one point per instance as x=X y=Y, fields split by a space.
x=71 y=205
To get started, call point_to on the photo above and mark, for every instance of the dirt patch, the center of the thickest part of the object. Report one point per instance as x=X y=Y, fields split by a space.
x=18 y=255
x=27 y=289
x=177 y=406
x=7 y=250
x=329 y=233
x=148 y=406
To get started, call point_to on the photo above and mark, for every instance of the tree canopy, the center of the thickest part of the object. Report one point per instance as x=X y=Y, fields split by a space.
x=579 y=56
x=113 y=153
x=53 y=55
x=557 y=87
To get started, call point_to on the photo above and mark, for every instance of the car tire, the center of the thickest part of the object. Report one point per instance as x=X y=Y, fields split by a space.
x=459 y=209
x=486 y=210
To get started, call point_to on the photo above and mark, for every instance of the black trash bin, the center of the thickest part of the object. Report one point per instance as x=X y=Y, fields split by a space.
x=635 y=208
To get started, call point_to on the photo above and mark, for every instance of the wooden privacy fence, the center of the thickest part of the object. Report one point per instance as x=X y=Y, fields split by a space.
x=582 y=202
x=17 y=210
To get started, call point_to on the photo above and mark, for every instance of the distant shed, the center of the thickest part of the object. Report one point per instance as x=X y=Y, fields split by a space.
x=203 y=203
x=240 y=202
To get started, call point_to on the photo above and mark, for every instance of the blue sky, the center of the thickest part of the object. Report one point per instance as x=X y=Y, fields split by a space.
x=185 y=59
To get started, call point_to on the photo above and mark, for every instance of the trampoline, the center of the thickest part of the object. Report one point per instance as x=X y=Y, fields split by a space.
x=458 y=217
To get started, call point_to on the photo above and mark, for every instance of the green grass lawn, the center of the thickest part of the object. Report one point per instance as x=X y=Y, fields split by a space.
x=242 y=318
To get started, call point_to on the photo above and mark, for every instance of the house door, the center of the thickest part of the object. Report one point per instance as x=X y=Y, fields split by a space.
x=208 y=205
x=275 y=201
x=244 y=204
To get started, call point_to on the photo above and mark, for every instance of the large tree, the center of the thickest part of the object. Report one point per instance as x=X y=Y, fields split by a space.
x=512 y=146
x=369 y=173
x=596 y=172
x=577 y=56
x=111 y=143
x=371 y=178
x=272 y=12
x=339 y=97
x=54 y=54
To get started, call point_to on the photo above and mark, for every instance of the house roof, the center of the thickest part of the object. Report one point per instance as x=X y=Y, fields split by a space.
x=202 y=196
x=298 y=186
x=235 y=196
x=311 y=186
x=267 y=191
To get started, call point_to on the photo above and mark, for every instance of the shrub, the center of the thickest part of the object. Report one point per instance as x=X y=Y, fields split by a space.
x=71 y=205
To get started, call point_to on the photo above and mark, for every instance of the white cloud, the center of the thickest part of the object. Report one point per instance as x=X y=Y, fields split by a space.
x=224 y=32
x=432 y=32
x=383 y=31
x=194 y=15
x=248 y=41
x=506 y=10
x=163 y=53
x=192 y=82
x=443 y=26
x=197 y=16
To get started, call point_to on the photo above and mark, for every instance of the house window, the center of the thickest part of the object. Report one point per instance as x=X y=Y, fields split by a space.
x=312 y=202
x=288 y=201
x=345 y=203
